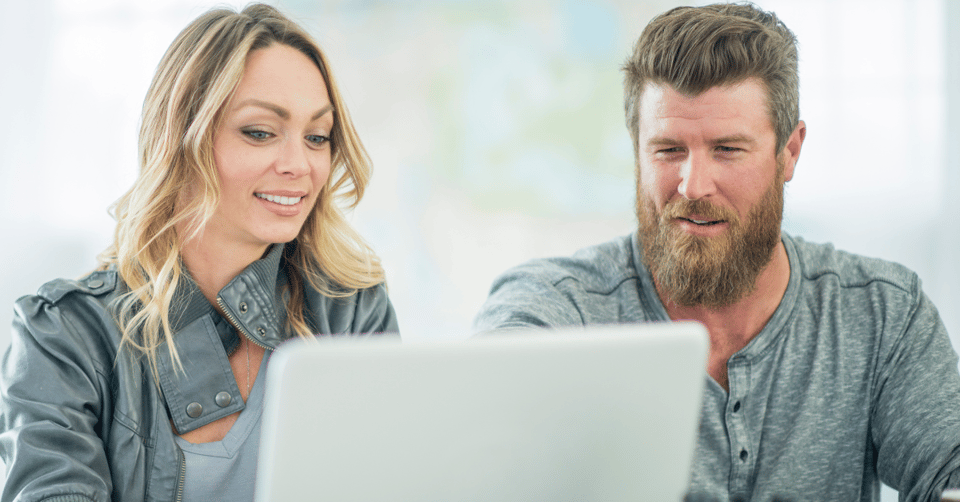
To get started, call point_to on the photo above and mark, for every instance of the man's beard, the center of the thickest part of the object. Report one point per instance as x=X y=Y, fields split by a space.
x=712 y=272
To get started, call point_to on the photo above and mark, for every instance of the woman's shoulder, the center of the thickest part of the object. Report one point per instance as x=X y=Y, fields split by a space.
x=77 y=310
x=366 y=310
x=99 y=283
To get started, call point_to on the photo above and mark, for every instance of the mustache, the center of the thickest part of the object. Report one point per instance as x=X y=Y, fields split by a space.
x=685 y=208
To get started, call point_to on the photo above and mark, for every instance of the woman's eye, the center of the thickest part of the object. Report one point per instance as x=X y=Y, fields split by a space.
x=257 y=134
x=318 y=140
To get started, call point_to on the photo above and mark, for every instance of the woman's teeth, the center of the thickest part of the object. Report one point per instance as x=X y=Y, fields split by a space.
x=283 y=201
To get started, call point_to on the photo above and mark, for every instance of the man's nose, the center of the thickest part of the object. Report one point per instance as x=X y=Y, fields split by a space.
x=697 y=177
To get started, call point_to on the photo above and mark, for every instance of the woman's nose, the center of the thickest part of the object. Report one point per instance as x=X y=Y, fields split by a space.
x=293 y=160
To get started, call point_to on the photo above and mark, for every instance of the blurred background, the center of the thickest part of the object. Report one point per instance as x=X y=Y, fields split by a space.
x=496 y=130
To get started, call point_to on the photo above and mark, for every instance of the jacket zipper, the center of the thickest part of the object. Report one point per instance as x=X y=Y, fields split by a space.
x=183 y=464
x=236 y=324
x=181 y=479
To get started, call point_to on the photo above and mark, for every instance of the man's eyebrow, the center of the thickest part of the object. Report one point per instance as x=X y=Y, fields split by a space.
x=281 y=111
x=736 y=138
x=733 y=138
x=662 y=141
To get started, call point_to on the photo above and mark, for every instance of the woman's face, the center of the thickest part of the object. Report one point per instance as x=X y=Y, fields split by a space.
x=272 y=152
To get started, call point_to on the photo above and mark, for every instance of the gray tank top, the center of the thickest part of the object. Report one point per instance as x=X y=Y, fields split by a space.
x=226 y=470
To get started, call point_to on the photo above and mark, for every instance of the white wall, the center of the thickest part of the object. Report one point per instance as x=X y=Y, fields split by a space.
x=496 y=131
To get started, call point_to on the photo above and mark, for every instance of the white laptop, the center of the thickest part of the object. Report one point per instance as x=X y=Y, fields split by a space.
x=600 y=414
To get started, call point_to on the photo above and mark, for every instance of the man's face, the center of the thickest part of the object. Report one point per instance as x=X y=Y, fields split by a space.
x=709 y=191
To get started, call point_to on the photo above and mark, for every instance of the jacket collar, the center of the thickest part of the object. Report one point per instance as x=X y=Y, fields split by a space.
x=205 y=390
x=250 y=299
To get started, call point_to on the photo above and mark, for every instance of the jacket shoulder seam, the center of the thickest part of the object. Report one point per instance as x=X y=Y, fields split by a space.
x=95 y=284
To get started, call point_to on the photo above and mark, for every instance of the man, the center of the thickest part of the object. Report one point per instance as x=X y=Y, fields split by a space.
x=828 y=372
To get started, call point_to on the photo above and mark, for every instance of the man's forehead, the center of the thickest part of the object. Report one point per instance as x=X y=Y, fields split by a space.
x=741 y=105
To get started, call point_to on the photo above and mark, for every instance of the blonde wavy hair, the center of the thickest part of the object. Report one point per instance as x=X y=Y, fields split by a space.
x=181 y=112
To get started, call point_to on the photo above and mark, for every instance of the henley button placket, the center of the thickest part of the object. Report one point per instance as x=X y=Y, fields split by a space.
x=738 y=371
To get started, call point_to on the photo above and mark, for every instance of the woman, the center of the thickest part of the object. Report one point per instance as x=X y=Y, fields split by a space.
x=140 y=381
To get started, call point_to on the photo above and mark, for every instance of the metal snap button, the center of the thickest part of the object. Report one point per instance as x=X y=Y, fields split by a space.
x=261 y=331
x=223 y=399
x=243 y=307
x=94 y=283
x=194 y=410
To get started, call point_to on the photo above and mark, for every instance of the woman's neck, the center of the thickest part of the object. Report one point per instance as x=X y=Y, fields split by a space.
x=213 y=266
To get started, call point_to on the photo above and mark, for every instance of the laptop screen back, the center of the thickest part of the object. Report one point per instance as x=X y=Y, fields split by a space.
x=599 y=414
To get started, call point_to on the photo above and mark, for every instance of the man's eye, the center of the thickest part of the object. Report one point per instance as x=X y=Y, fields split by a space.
x=669 y=155
x=727 y=149
x=257 y=134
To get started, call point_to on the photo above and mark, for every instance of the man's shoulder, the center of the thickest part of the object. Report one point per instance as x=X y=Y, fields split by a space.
x=599 y=268
x=595 y=285
x=851 y=270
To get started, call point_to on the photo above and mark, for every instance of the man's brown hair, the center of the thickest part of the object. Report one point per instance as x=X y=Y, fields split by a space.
x=693 y=49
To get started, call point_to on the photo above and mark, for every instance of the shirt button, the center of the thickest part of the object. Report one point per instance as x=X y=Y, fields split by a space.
x=743 y=455
x=223 y=399
x=243 y=307
x=194 y=410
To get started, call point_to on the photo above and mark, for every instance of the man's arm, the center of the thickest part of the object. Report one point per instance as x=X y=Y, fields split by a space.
x=916 y=412
x=524 y=299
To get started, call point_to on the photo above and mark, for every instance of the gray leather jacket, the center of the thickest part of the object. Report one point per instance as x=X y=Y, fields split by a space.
x=80 y=422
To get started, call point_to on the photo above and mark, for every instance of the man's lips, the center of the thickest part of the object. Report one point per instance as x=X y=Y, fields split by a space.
x=700 y=222
x=697 y=214
x=698 y=218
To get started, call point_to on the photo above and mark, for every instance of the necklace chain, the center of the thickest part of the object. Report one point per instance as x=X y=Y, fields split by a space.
x=248 y=365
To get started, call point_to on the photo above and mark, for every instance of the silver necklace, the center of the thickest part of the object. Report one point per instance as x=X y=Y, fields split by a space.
x=248 y=366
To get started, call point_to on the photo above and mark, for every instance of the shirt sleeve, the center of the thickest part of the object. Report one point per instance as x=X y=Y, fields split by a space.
x=50 y=404
x=523 y=298
x=916 y=415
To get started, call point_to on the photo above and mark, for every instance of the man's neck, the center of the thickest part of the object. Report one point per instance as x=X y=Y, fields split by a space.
x=732 y=327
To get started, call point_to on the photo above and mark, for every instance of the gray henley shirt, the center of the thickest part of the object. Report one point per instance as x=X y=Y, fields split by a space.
x=853 y=381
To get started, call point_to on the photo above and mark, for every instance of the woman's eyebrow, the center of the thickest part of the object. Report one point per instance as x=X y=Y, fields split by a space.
x=323 y=111
x=281 y=111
